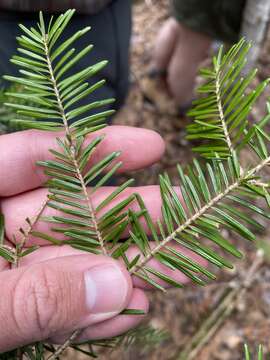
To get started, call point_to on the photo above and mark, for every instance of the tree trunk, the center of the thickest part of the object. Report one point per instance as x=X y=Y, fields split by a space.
x=255 y=20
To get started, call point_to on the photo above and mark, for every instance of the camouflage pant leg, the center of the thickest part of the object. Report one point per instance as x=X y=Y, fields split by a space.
x=220 y=19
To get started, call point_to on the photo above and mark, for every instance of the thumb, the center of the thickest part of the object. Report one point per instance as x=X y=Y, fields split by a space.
x=60 y=295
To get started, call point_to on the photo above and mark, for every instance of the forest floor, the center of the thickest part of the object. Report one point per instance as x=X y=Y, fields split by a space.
x=240 y=300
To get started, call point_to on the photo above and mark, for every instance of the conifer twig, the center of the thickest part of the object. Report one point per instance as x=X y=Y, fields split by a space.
x=71 y=141
x=199 y=213
x=63 y=347
x=32 y=222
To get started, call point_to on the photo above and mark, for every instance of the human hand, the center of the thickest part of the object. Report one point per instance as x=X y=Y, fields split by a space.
x=177 y=54
x=57 y=290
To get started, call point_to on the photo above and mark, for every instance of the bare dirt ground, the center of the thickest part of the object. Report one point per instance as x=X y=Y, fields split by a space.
x=182 y=312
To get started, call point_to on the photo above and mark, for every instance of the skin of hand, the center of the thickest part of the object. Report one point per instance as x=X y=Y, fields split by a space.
x=57 y=289
x=179 y=51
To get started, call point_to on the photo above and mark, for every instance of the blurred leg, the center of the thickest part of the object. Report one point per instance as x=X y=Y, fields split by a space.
x=190 y=50
x=165 y=44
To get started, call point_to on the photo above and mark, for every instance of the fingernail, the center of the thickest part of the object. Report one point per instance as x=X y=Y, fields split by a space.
x=106 y=289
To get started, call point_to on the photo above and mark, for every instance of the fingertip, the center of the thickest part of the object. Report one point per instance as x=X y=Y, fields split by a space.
x=128 y=279
x=154 y=145
x=139 y=147
x=140 y=298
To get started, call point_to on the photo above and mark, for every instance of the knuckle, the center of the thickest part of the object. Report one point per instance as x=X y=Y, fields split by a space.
x=40 y=295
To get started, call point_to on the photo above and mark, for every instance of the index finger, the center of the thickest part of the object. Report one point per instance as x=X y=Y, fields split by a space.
x=20 y=151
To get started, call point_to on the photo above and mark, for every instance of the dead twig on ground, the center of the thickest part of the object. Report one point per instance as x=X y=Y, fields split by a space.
x=255 y=21
x=228 y=301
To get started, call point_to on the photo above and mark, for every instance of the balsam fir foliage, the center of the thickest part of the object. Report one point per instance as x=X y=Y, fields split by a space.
x=221 y=114
x=210 y=192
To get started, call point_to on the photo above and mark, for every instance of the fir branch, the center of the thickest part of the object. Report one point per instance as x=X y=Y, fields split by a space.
x=220 y=116
x=232 y=187
x=50 y=98
x=71 y=141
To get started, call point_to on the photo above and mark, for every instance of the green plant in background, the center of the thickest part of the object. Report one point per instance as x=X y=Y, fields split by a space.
x=260 y=353
x=211 y=192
